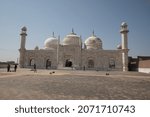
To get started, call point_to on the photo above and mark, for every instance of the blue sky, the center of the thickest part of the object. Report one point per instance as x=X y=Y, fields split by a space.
x=42 y=17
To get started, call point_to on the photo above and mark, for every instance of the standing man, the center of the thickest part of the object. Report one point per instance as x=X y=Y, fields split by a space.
x=35 y=68
x=8 y=68
x=15 y=68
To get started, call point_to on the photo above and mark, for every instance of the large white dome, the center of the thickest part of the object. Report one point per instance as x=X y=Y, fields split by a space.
x=51 y=43
x=72 y=39
x=93 y=42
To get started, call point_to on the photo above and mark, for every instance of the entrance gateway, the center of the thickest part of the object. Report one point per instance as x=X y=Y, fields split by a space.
x=48 y=64
x=68 y=63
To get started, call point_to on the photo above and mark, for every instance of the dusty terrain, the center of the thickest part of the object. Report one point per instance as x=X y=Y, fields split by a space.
x=73 y=84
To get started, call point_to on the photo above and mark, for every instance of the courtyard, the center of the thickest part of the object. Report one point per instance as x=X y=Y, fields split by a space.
x=73 y=84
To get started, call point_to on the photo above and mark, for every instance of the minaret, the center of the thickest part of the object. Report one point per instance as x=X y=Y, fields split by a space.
x=124 y=35
x=58 y=43
x=22 y=47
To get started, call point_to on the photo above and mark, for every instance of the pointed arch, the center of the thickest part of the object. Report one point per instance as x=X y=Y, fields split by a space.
x=111 y=63
x=68 y=63
x=90 y=63
x=31 y=61
x=48 y=63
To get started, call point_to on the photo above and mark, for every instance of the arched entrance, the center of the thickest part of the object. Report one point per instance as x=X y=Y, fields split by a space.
x=48 y=64
x=31 y=62
x=90 y=63
x=111 y=63
x=68 y=63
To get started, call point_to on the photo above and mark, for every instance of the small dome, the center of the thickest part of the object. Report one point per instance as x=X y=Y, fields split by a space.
x=24 y=28
x=123 y=24
x=72 y=39
x=50 y=43
x=124 y=27
x=93 y=42
x=119 y=46
x=36 y=48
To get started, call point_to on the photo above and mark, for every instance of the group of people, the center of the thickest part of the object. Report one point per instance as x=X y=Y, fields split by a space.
x=15 y=68
x=8 y=68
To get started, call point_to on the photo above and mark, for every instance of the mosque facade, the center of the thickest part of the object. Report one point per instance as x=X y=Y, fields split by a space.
x=73 y=53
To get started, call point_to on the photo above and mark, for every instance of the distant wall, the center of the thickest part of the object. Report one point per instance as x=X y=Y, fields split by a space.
x=3 y=65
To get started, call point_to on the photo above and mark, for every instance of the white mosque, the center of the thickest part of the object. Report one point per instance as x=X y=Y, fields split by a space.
x=72 y=52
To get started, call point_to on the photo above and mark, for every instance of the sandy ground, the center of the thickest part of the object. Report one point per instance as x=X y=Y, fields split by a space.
x=73 y=84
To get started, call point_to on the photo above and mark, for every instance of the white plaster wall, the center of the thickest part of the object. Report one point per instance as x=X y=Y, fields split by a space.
x=144 y=70
x=79 y=57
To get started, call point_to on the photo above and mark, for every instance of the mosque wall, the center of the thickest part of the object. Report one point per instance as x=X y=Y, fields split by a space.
x=42 y=58
x=102 y=59
x=88 y=59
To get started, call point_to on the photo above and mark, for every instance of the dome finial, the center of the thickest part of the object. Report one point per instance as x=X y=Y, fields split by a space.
x=72 y=31
x=53 y=34
x=93 y=33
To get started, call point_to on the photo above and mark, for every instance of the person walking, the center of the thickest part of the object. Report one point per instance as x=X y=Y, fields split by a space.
x=8 y=68
x=35 y=68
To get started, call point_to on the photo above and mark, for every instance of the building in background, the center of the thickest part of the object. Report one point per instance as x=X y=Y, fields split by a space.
x=140 y=64
x=144 y=64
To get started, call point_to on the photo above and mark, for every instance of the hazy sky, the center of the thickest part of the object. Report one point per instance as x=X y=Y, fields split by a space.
x=42 y=17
